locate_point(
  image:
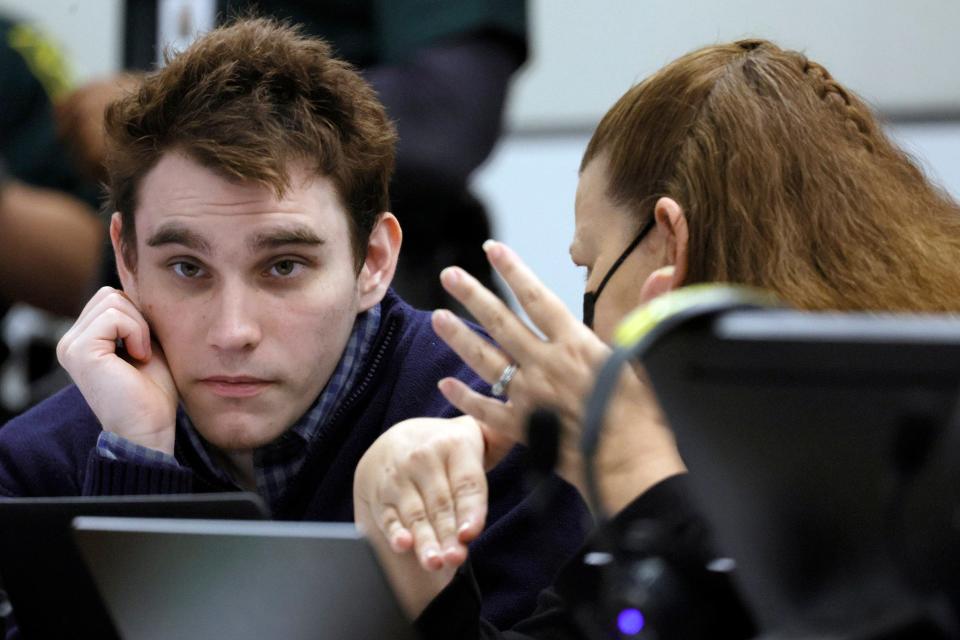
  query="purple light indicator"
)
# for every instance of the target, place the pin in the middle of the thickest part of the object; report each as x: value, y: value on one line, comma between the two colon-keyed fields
x: 630, y: 622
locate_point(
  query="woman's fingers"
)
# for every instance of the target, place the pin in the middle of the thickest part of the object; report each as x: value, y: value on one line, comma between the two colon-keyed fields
x: 501, y: 323
x: 469, y: 489
x: 426, y: 544
x: 481, y: 356
x: 397, y: 535
x: 497, y: 416
x: 430, y: 491
x: 429, y: 474
x: 407, y: 502
x: 543, y: 307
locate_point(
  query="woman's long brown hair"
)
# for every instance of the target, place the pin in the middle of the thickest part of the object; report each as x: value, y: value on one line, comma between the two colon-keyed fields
x: 787, y: 181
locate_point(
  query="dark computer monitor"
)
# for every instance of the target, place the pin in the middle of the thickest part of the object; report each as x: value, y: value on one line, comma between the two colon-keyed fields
x: 240, y: 580
x: 52, y: 594
x: 823, y: 449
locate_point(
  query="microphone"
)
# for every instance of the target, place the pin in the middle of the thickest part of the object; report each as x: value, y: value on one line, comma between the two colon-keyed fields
x: 543, y: 444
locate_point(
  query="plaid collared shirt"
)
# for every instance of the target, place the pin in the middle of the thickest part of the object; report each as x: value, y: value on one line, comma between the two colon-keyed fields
x: 278, y: 462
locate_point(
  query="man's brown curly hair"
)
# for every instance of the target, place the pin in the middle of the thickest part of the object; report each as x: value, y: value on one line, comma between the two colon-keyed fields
x: 246, y: 100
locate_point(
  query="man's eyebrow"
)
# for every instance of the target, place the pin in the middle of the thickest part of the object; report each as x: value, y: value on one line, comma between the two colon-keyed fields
x: 282, y: 237
x: 177, y: 234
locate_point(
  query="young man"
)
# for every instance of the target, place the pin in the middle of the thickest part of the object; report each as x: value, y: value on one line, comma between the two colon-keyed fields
x: 256, y: 343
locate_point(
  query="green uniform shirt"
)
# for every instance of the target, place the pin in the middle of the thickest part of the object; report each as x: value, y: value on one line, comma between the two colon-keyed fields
x: 32, y: 76
x: 371, y: 32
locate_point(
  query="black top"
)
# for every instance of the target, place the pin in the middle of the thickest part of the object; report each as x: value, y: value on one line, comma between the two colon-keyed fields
x: 664, y: 544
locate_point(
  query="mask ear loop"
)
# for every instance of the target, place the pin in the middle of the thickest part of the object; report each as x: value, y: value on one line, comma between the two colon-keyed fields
x: 590, y: 298
x: 626, y: 253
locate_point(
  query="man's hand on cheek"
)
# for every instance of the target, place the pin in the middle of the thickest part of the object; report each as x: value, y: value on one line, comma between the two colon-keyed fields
x: 133, y: 397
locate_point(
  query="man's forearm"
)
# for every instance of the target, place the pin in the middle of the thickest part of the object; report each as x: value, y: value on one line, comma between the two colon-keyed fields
x: 117, y: 477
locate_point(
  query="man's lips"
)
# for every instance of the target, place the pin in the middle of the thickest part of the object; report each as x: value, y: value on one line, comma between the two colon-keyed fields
x: 235, y: 386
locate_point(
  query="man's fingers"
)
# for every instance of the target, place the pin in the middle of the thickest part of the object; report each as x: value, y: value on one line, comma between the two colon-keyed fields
x: 103, y: 329
x: 500, y: 322
x: 96, y: 326
x: 98, y: 297
x: 114, y: 324
x: 104, y: 299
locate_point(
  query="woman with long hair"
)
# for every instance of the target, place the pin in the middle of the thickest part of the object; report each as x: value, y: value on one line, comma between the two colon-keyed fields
x: 739, y: 163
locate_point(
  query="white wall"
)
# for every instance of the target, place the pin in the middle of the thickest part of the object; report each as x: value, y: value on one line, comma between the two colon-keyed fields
x: 88, y: 31
x: 899, y: 54
x: 585, y: 53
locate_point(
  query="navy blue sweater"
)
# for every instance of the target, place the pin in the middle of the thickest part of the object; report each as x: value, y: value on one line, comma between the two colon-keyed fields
x: 50, y: 451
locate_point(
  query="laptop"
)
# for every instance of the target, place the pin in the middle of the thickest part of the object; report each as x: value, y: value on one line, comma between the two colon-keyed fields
x: 824, y: 449
x: 207, y: 579
x: 52, y: 594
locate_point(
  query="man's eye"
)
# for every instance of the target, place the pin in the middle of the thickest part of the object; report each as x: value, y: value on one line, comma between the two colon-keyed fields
x: 285, y: 268
x: 187, y: 270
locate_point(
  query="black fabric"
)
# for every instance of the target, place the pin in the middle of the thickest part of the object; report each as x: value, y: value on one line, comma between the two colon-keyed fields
x: 661, y: 527
x: 140, y: 18
x: 368, y: 33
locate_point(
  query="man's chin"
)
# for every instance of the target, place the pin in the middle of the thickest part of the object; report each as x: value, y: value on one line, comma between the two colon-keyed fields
x: 237, y: 428
x: 238, y: 435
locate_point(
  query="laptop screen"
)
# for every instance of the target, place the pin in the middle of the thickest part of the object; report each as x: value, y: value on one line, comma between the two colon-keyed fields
x: 238, y: 580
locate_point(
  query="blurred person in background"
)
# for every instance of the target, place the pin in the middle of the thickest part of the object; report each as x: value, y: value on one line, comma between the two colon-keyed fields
x: 51, y: 240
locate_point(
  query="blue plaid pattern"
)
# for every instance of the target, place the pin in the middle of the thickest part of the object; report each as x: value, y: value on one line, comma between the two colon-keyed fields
x: 276, y: 463
x: 113, y: 447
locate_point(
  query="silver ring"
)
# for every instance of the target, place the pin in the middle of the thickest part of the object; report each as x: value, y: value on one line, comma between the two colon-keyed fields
x: 500, y: 386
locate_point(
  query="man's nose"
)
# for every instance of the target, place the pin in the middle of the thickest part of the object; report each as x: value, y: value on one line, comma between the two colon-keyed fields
x: 235, y: 324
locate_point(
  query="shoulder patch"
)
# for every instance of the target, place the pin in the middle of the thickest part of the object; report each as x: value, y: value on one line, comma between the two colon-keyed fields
x: 43, y: 57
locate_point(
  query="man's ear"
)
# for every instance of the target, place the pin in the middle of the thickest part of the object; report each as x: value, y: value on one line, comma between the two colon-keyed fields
x: 383, y: 250
x: 672, y: 224
x: 127, y: 274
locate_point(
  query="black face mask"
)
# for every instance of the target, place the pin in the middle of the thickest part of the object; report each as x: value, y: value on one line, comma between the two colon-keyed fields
x: 590, y: 297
